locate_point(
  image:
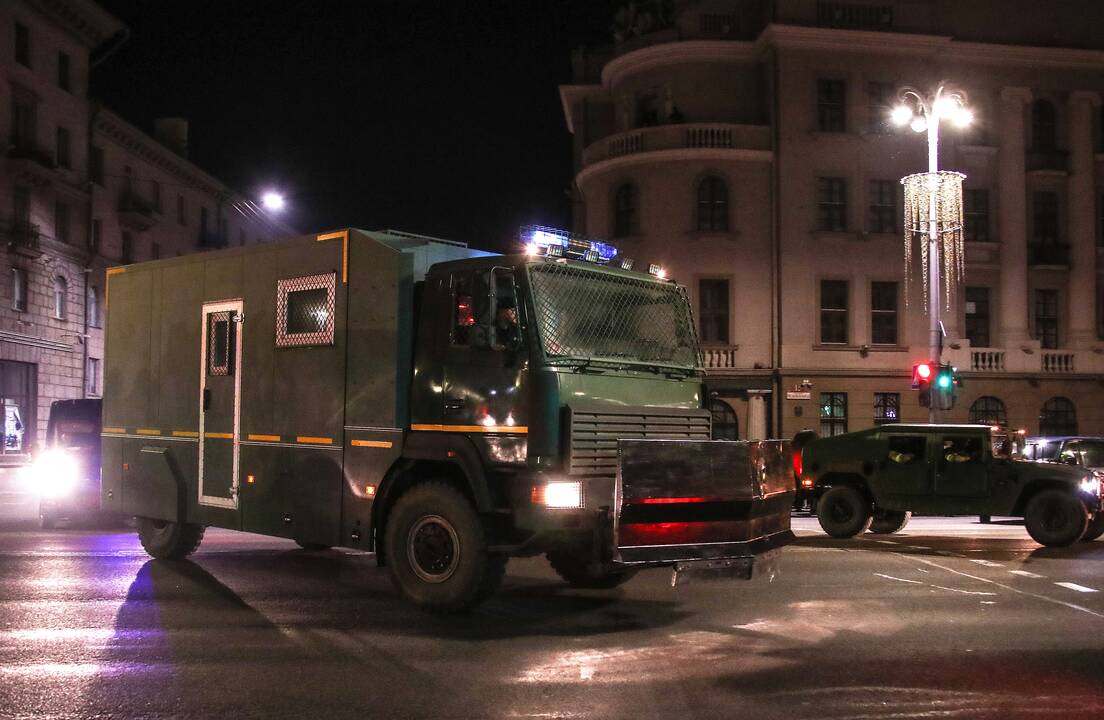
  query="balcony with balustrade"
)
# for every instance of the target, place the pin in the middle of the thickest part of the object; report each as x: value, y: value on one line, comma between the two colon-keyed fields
x: 1026, y: 360
x: 682, y: 141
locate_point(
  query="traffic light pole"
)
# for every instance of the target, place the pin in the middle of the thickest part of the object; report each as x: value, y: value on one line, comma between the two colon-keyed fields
x: 935, y: 330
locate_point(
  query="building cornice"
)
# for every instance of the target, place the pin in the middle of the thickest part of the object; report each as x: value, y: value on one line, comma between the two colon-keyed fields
x: 572, y: 94
x: 83, y: 19
x: 683, y: 51
x: 673, y: 155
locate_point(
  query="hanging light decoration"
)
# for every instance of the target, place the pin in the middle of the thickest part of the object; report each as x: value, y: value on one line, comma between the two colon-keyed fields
x: 941, y: 191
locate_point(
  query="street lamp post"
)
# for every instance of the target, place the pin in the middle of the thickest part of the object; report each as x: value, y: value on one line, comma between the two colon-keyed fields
x: 923, y: 113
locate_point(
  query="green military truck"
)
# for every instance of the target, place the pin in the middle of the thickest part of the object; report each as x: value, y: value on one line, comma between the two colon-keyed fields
x: 442, y: 407
x: 875, y: 479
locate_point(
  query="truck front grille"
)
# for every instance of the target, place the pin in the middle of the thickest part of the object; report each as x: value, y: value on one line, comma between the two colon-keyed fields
x: 593, y: 433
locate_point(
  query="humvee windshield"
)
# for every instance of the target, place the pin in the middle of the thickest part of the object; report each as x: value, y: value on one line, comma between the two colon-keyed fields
x: 589, y: 315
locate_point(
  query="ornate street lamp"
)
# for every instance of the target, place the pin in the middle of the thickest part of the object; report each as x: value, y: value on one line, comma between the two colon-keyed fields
x: 933, y: 206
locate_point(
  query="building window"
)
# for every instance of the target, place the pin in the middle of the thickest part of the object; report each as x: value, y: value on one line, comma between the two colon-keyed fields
x: 626, y: 211
x: 61, y: 291
x: 713, y: 310
x: 1046, y: 318
x: 63, y: 72
x: 833, y: 312
x: 20, y: 384
x: 883, y: 206
x: 96, y: 165
x: 725, y: 424
x: 977, y: 317
x: 1058, y: 417
x: 181, y: 216
x: 976, y: 214
x: 988, y: 410
x: 63, y: 159
x: 883, y: 313
x: 1044, y: 125
x: 831, y: 105
x: 93, y: 309
x: 93, y: 376
x: 833, y: 414
x: 155, y: 195
x: 126, y: 256
x: 23, y: 122
x: 19, y: 289
x: 305, y: 311
x: 1045, y: 211
x: 887, y: 408
x: 880, y: 99
x: 831, y: 204
x: 713, y: 205
x: 22, y: 45
x: 61, y: 222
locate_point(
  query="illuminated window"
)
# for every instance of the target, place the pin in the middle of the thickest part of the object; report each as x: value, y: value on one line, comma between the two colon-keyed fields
x: 305, y: 311
x: 887, y: 408
x: 833, y: 414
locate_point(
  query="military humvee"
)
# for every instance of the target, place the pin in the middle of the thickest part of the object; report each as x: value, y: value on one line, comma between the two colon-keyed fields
x: 875, y: 479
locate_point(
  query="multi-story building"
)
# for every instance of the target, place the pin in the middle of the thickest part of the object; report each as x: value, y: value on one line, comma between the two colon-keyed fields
x: 745, y: 145
x: 80, y: 190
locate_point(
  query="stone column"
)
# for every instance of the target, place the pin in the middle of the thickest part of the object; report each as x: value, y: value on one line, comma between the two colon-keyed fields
x: 1081, y: 203
x: 1012, y: 218
x: 757, y: 416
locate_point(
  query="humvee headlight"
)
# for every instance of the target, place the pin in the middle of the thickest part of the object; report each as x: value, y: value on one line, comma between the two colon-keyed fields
x: 1091, y: 485
x: 54, y: 474
x: 559, y: 494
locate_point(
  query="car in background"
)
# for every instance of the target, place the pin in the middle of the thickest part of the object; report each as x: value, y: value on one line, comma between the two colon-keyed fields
x: 65, y: 475
x: 1084, y: 451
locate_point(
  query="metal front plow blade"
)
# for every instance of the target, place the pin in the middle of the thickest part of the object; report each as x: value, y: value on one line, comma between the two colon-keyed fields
x: 712, y: 510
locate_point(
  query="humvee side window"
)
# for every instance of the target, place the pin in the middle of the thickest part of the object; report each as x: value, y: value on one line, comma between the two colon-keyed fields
x: 305, y: 311
x: 220, y: 344
x: 905, y: 450
x: 961, y: 449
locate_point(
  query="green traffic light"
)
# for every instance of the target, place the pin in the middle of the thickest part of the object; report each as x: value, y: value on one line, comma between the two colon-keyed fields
x: 944, y: 381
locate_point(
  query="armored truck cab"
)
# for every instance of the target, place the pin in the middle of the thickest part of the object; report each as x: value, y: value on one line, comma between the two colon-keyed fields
x: 874, y: 479
x: 444, y: 408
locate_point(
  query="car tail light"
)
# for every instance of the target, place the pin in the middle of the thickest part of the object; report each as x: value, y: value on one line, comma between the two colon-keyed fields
x: 797, y: 463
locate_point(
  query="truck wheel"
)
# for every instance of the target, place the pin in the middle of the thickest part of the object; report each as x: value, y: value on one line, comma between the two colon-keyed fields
x: 1056, y: 518
x: 437, y: 550
x: 577, y: 572
x: 887, y: 522
x: 1096, y: 527
x: 843, y: 512
x: 166, y: 540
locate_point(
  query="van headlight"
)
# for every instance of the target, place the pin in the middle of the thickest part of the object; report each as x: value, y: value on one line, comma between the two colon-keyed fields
x: 54, y: 474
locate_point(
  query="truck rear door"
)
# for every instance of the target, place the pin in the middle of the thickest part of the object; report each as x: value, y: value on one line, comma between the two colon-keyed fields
x: 220, y: 404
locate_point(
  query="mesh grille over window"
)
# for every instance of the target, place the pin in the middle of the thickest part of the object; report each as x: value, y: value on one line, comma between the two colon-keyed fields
x: 305, y: 311
x: 586, y: 314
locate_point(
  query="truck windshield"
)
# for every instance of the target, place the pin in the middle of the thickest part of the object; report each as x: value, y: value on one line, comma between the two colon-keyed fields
x: 594, y: 315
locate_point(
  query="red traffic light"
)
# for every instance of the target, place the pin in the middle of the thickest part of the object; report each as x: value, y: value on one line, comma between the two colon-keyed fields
x: 923, y: 371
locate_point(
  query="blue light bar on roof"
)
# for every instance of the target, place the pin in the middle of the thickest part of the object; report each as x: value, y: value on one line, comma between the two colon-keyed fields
x: 540, y: 240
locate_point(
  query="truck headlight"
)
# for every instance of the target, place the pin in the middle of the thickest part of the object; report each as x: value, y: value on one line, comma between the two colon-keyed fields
x: 559, y: 494
x: 54, y: 474
x: 1091, y: 485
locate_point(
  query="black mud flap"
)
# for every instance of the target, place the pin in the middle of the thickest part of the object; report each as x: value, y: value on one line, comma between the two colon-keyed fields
x: 711, y: 509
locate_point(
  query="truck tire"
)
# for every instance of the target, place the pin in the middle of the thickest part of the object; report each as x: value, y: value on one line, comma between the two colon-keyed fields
x: 887, y: 522
x: 166, y: 540
x: 436, y: 548
x: 1095, y: 528
x: 1056, y: 518
x: 577, y: 572
x: 844, y: 512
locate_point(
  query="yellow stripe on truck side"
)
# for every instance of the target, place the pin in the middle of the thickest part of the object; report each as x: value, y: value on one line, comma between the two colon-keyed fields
x: 309, y: 440
x: 373, y: 443
x: 520, y: 429
x: 219, y: 436
x: 264, y: 438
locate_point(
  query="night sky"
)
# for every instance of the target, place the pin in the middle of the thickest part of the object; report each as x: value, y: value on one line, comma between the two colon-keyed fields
x: 441, y: 118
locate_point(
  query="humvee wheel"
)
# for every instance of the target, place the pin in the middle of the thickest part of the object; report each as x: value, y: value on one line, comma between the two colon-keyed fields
x: 843, y: 512
x: 1095, y: 528
x: 1056, y: 518
x: 575, y: 571
x: 166, y: 540
x: 437, y: 549
x: 887, y: 522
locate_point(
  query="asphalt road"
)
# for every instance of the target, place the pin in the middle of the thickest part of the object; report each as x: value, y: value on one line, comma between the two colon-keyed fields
x: 948, y: 619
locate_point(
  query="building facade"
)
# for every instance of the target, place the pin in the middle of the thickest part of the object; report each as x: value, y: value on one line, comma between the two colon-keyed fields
x: 745, y: 145
x: 81, y: 190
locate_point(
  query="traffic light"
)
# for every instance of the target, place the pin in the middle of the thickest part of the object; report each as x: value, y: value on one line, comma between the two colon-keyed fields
x: 922, y: 373
x: 947, y: 383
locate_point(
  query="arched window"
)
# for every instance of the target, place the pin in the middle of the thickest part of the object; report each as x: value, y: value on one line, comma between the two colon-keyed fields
x: 1058, y: 417
x: 61, y: 290
x: 988, y: 410
x: 725, y: 424
x: 626, y: 211
x: 93, y: 303
x: 1044, y: 125
x: 713, y: 205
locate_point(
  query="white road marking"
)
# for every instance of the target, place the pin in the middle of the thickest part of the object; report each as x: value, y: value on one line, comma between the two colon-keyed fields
x: 1075, y: 586
x: 918, y: 547
x: 886, y: 542
x: 937, y: 587
x: 987, y: 563
x: 1037, y: 596
x: 1025, y: 573
x: 890, y: 577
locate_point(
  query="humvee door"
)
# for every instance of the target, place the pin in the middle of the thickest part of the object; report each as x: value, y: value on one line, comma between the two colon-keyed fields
x: 961, y: 468
x: 904, y: 469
